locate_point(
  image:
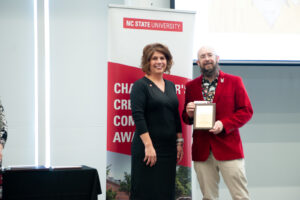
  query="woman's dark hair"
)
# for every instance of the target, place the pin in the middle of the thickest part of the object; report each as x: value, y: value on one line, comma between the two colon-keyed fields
x: 148, y: 52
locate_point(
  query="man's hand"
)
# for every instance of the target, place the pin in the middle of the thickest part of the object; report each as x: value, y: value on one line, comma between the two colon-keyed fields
x: 218, y: 128
x: 190, y: 108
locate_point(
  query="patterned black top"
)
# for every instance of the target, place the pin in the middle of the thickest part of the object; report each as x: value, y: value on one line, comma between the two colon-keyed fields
x: 209, y: 89
x: 3, y: 126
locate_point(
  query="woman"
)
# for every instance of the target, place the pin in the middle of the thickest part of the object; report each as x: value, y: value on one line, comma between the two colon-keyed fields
x: 157, y: 143
x: 3, y: 130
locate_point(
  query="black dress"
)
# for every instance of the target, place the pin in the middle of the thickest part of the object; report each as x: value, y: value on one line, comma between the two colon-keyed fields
x: 155, y: 112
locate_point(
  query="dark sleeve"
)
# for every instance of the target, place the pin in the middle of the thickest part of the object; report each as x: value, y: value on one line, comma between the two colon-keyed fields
x: 186, y: 119
x: 138, y: 98
x: 178, y: 122
x: 177, y: 115
x: 3, y: 126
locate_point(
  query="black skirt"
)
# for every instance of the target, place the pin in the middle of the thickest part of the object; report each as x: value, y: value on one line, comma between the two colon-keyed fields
x: 153, y: 183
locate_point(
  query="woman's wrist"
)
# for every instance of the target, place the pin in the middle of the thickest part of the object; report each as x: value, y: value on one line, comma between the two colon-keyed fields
x: 180, y: 141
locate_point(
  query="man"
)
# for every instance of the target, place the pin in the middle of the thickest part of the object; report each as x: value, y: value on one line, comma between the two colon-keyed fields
x: 3, y: 130
x: 220, y: 148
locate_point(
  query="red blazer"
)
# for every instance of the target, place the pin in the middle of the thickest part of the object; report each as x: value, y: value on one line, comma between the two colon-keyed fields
x: 233, y: 109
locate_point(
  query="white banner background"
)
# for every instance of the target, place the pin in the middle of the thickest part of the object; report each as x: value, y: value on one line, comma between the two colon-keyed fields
x: 125, y: 45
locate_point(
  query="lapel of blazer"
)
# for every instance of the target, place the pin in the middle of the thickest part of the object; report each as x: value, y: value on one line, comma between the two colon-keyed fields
x: 220, y: 86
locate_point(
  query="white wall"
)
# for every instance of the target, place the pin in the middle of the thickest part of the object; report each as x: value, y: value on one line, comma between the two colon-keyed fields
x: 248, y: 29
x: 17, y: 79
x: 78, y: 57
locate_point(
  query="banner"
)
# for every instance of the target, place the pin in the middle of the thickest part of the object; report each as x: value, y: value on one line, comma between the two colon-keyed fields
x: 130, y: 29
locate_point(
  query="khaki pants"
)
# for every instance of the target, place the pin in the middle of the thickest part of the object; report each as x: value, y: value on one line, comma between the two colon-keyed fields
x: 233, y: 173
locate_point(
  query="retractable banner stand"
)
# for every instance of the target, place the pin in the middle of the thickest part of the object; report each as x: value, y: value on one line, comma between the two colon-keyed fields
x: 130, y: 30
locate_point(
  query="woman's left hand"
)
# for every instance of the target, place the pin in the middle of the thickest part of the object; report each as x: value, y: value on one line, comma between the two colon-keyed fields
x: 179, y: 152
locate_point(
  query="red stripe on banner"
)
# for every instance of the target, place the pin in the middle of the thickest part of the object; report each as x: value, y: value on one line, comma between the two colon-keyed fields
x: 148, y: 24
x: 120, y: 125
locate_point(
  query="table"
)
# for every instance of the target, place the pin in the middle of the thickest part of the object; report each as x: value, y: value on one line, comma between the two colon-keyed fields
x: 41, y: 183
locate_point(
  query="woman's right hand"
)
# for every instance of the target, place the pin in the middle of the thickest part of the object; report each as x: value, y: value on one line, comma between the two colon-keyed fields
x: 150, y: 155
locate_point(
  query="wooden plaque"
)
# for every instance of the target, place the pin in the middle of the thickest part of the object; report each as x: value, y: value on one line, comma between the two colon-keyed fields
x: 204, y: 116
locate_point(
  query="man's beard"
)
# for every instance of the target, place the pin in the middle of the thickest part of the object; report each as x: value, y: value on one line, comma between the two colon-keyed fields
x: 210, y: 72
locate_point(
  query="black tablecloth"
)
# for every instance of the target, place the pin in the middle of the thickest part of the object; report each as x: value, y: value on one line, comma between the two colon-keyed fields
x: 77, y: 183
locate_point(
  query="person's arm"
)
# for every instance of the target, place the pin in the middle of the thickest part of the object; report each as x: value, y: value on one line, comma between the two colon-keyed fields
x: 243, y: 109
x: 138, y: 100
x: 3, y: 129
x: 189, y: 107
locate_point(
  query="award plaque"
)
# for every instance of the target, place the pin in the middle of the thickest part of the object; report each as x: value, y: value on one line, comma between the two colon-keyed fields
x: 204, y: 115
